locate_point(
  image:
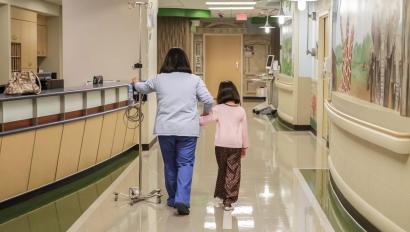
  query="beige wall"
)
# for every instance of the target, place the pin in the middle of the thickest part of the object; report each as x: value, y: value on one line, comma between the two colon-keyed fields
x: 54, y: 60
x: 4, y: 43
x: 152, y: 71
x: 100, y: 37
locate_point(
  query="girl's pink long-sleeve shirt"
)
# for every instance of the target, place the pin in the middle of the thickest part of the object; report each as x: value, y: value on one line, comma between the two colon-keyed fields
x: 232, y: 126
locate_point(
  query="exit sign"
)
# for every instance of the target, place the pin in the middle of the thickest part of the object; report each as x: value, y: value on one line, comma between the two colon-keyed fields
x: 241, y: 17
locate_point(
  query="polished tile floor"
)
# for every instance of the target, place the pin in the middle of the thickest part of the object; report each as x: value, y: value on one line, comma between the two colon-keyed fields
x: 272, y: 197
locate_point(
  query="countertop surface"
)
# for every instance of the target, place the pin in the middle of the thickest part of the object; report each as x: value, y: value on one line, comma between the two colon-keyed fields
x: 63, y: 91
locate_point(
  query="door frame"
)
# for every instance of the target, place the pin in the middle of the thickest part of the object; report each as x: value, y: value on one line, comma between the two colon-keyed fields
x: 240, y: 88
x: 319, y: 73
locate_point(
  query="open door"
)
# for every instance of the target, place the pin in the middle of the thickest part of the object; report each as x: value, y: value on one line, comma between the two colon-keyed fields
x: 324, y: 61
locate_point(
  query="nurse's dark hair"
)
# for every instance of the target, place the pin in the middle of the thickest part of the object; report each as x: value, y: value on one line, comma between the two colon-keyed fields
x: 228, y: 92
x: 176, y: 60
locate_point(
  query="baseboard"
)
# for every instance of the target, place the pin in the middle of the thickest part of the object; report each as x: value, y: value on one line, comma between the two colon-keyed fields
x: 296, y: 127
x: 147, y: 147
x: 356, y: 215
x: 313, y: 131
x: 254, y: 98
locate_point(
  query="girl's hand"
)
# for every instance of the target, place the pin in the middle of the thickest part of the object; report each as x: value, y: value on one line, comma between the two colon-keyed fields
x: 244, y: 152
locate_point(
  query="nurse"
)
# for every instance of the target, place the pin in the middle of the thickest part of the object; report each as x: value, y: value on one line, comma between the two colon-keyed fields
x: 177, y: 123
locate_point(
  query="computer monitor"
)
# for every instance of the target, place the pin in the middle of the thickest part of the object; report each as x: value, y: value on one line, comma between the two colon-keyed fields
x: 269, y: 61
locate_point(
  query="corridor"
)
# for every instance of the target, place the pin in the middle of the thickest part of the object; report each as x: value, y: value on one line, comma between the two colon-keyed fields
x: 272, y: 197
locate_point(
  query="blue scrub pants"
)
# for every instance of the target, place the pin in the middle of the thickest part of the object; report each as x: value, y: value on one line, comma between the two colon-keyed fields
x: 179, y: 156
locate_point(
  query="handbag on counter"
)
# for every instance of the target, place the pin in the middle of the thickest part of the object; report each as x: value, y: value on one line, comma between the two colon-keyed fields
x: 23, y: 83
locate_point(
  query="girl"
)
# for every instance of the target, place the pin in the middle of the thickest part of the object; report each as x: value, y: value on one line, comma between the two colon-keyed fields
x: 231, y: 142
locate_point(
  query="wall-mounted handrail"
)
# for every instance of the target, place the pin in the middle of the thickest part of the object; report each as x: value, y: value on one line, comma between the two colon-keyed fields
x: 367, y: 124
x: 397, y: 142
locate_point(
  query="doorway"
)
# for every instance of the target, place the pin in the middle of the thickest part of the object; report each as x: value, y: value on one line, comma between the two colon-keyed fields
x: 223, y: 61
x: 323, y: 72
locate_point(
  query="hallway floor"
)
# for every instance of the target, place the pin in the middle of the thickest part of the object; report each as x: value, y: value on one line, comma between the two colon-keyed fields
x: 273, y: 196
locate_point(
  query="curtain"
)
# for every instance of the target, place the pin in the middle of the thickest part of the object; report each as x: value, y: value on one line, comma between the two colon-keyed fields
x: 173, y: 32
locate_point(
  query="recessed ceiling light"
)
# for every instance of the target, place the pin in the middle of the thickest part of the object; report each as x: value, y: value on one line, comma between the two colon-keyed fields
x: 232, y: 8
x: 231, y: 3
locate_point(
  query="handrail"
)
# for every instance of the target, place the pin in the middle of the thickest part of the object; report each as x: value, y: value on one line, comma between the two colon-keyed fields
x: 393, y: 133
x: 397, y: 142
x: 284, y: 86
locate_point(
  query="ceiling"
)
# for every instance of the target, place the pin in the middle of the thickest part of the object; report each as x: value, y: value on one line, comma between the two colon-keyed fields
x: 260, y: 8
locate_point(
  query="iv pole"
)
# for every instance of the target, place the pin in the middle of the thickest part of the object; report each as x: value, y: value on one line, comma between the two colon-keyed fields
x: 135, y: 193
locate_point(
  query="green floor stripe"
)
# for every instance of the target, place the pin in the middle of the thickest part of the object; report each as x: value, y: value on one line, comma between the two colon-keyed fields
x: 113, y: 168
x: 319, y: 183
x: 278, y: 125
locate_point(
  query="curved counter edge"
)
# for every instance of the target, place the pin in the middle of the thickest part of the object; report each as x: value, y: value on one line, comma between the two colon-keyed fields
x: 373, y: 215
x: 396, y: 142
x: 64, y: 91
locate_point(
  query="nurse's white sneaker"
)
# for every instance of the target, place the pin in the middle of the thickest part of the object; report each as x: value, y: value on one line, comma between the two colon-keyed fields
x: 229, y: 208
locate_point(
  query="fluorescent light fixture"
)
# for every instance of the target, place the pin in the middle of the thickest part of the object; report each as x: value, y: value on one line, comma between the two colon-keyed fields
x: 231, y: 8
x: 231, y: 3
x: 267, y: 27
x: 281, y: 16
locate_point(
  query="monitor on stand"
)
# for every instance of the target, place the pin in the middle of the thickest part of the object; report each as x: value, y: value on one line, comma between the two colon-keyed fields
x: 266, y: 107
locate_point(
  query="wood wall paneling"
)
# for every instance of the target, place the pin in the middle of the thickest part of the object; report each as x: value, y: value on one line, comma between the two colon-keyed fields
x: 29, y: 46
x: 16, y: 27
x: 45, y: 156
x: 91, y: 139
x: 15, y: 159
x: 70, y: 149
x: 107, y: 137
x: 21, y: 14
x: 119, y: 137
x: 173, y: 32
x: 130, y: 134
x: 137, y: 136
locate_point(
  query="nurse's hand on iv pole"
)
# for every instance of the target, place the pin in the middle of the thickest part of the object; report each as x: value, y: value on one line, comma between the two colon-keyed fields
x: 135, y: 80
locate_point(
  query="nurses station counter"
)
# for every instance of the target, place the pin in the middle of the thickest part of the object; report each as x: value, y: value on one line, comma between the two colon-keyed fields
x: 48, y: 137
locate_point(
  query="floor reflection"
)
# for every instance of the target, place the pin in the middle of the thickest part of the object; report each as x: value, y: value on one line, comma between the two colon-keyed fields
x: 65, y: 204
x: 319, y: 183
x: 270, y: 197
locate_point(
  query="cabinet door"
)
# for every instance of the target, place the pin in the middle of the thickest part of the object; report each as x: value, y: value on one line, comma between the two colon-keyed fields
x: 16, y: 27
x: 41, y: 41
x: 29, y: 46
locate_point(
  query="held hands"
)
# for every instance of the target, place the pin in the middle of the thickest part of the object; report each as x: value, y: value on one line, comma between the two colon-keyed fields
x: 244, y: 152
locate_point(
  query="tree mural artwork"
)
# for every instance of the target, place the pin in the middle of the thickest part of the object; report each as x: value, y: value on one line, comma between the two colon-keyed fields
x: 368, y: 51
x: 347, y: 44
x: 385, y: 65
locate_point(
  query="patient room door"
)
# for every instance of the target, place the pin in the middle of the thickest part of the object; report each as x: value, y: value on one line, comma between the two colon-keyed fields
x: 324, y: 43
x: 223, y: 61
